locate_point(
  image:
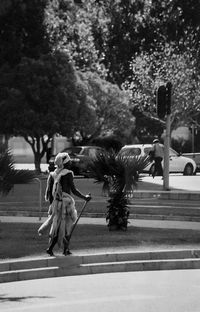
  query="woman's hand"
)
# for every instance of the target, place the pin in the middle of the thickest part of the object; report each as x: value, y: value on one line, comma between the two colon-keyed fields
x: 88, y: 197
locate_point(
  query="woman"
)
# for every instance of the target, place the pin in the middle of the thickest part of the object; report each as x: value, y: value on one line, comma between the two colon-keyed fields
x: 62, y: 212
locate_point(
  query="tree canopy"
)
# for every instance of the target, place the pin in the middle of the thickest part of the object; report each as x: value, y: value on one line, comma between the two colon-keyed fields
x: 105, y: 35
x: 111, y: 45
x: 22, y: 30
x: 108, y: 36
x: 111, y: 107
x: 40, y: 98
x: 181, y: 69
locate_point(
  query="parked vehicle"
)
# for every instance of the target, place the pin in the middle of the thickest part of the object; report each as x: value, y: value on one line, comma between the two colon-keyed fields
x: 80, y: 156
x: 195, y: 157
x: 177, y: 162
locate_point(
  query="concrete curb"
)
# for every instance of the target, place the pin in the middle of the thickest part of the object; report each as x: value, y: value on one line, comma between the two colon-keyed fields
x: 18, y: 270
x: 148, y: 205
x: 172, y: 195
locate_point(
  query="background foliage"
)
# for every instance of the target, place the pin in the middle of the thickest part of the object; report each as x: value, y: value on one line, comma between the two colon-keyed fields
x: 106, y: 47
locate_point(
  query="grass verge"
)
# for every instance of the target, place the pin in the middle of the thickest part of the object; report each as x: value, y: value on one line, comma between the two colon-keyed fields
x: 21, y: 239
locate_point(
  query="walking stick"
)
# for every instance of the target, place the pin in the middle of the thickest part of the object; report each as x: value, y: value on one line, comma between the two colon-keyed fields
x: 74, y: 225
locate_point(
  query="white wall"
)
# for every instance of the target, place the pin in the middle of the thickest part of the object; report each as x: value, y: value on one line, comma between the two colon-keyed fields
x: 22, y: 152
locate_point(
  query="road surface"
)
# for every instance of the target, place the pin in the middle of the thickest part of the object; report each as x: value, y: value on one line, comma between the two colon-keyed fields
x: 156, y: 291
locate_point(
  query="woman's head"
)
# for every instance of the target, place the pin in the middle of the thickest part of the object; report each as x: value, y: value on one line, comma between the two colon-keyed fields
x: 62, y: 160
x: 155, y: 141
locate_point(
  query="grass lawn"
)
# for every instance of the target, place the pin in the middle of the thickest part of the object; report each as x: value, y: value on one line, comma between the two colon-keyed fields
x: 21, y: 239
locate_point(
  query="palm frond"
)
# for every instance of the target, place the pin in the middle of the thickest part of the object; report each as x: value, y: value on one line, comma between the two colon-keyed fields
x: 133, y: 166
x: 101, y: 169
x: 9, y: 176
x: 118, y: 174
x: 120, y: 171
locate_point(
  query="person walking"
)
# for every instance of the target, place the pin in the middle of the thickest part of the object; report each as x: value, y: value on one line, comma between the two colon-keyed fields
x: 62, y: 212
x: 158, y: 152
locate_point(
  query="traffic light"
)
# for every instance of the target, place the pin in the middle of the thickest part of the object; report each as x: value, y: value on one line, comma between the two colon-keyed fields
x: 168, y: 97
x: 161, y: 102
x: 164, y: 95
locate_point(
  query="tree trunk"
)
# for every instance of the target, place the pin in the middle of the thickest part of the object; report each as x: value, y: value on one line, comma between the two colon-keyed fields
x: 39, y: 148
x: 37, y: 161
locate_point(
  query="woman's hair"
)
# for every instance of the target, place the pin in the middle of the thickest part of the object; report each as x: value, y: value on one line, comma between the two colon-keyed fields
x: 61, y: 159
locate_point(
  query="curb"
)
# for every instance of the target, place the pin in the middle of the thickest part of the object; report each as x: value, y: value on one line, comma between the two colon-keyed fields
x: 143, y: 205
x: 18, y: 270
x: 171, y: 195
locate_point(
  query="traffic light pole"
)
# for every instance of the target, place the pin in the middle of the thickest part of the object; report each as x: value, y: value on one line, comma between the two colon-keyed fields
x: 166, y: 154
x: 164, y: 99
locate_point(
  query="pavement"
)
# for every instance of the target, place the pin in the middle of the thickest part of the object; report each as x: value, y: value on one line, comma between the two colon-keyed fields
x: 152, y: 291
x: 177, y: 183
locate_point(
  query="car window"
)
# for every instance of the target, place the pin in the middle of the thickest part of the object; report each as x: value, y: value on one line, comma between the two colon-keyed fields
x: 85, y: 152
x: 73, y: 150
x: 92, y: 152
x: 131, y: 151
x: 147, y: 150
x: 172, y: 152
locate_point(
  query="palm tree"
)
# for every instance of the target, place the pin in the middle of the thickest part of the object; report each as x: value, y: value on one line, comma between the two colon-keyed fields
x: 119, y: 175
x: 8, y: 175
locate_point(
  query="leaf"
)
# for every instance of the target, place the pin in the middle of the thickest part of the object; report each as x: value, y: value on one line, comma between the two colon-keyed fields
x: 9, y: 176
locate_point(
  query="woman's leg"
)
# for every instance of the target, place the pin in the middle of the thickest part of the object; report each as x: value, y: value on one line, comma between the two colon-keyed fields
x: 156, y: 167
x: 68, y: 228
x: 51, y: 246
x: 66, y: 250
x: 160, y: 169
x: 70, y: 218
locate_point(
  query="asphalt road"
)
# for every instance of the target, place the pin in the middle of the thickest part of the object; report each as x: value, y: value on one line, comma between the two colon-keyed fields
x: 154, y: 291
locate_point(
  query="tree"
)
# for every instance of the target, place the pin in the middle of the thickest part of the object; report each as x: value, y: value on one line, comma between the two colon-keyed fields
x: 23, y: 31
x: 149, y: 70
x: 147, y: 127
x: 110, y: 107
x: 174, y: 22
x: 119, y: 176
x: 103, y: 36
x: 40, y: 98
x: 143, y: 25
x: 71, y: 26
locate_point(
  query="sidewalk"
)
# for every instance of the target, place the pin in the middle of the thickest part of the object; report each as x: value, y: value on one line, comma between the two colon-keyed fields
x: 180, y: 188
x: 177, y: 183
x: 159, y: 224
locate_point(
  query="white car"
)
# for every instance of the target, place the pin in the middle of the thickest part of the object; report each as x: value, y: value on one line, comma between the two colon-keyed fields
x: 177, y: 163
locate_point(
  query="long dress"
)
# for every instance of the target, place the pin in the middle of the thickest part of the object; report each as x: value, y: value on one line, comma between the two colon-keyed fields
x: 62, y: 213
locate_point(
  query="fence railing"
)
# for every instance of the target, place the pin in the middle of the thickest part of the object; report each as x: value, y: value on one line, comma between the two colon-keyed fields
x: 39, y: 197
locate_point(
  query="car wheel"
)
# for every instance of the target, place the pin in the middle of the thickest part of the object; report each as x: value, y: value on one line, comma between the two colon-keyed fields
x: 188, y: 170
x: 151, y: 170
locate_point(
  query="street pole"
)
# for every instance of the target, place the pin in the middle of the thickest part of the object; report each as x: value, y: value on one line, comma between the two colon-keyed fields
x: 164, y: 100
x: 53, y: 145
x: 193, y: 139
x: 166, y: 154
